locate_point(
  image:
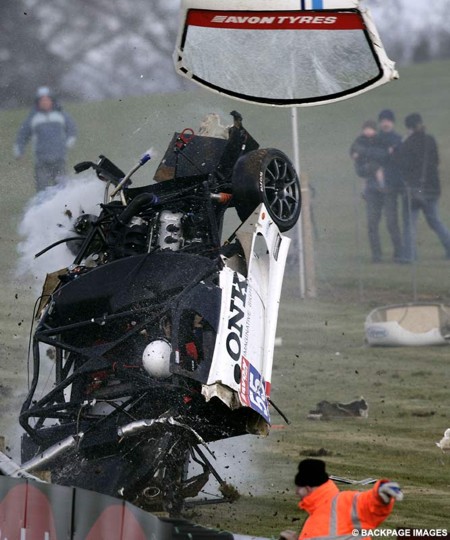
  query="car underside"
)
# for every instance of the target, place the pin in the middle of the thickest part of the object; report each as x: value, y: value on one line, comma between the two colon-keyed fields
x: 155, y: 330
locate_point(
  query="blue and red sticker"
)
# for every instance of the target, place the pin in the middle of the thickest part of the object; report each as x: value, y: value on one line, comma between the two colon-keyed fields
x: 252, y: 390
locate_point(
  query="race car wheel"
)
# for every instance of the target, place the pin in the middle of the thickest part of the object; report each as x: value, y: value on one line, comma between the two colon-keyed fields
x: 267, y: 176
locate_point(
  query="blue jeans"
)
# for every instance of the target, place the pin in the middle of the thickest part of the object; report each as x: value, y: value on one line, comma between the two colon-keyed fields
x: 374, y: 206
x: 429, y: 207
x: 391, y: 212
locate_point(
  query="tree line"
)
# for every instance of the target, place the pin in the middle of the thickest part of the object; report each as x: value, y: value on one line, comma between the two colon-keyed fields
x: 99, y: 49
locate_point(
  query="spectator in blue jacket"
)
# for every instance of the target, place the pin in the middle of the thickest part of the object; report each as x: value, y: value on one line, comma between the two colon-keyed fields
x: 52, y: 131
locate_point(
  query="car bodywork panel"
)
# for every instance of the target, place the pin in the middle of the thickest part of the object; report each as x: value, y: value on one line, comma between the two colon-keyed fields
x: 315, y: 51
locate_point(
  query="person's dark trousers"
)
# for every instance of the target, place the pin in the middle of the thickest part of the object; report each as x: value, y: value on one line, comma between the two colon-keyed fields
x: 391, y: 198
x: 429, y: 207
x: 374, y: 205
x: 49, y: 173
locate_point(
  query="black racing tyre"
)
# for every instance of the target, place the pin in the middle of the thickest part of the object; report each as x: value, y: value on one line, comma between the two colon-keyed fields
x: 267, y: 176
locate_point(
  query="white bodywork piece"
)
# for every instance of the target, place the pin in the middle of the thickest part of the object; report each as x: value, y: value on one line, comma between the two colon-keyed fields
x: 285, y: 53
x: 408, y: 325
x: 241, y: 369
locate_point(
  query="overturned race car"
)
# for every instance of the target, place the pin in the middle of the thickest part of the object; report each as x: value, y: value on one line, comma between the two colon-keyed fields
x: 162, y: 334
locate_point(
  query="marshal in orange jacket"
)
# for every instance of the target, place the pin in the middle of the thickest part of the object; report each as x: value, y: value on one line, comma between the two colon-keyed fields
x: 336, y: 514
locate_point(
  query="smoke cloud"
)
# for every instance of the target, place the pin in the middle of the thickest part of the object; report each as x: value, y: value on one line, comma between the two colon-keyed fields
x: 49, y: 217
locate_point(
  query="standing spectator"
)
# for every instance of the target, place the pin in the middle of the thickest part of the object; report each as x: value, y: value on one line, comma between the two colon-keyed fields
x: 389, y: 139
x: 52, y: 132
x: 334, y: 514
x: 418, y: 159
x: 368, y: 154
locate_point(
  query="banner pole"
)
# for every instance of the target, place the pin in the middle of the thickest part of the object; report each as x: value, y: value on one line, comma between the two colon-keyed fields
x: 296, y: 154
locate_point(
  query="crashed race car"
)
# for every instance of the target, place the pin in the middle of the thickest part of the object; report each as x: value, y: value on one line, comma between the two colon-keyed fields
x: 162, y: 335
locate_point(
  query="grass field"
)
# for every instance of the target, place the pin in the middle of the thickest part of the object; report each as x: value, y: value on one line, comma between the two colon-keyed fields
x: 323, y: 354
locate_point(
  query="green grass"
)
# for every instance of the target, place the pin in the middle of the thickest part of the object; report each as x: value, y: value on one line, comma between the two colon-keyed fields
x: 323, y: 354
x: 408, y: 394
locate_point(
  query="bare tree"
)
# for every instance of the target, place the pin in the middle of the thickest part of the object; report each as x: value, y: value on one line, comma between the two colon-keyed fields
x: 25, y: 60
x: 412, y: 30
x: 96, y: 49
x: 112, y: 48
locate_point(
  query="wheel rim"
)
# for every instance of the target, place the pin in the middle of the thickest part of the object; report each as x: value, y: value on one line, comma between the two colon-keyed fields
x: 282, y: 190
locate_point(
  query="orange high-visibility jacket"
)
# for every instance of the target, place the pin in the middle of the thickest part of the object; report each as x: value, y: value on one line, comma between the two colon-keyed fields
x: 334, y: 514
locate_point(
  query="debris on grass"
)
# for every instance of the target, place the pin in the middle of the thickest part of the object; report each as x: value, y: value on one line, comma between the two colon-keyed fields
x: 321, y: 452
x: 327, y: 410
x: 423, y: 414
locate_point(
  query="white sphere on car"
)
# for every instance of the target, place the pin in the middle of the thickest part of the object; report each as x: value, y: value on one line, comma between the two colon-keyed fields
x: 156, y: 358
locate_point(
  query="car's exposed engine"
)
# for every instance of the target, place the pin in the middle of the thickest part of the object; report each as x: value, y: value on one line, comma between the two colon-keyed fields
x: 162, y: 334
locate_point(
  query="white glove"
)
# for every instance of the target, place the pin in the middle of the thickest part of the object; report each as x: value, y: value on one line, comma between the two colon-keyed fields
x: 70, y: 142
x: 390, y: 490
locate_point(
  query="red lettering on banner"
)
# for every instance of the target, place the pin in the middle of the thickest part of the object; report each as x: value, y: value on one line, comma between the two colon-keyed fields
x: 276, y: 20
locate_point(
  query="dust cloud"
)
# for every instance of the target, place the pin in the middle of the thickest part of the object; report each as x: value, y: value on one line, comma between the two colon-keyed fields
x: 238, y: 461
x: 49, y: 217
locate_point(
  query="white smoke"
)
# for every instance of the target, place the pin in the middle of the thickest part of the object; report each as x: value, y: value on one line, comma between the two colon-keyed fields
x: 49, y: 217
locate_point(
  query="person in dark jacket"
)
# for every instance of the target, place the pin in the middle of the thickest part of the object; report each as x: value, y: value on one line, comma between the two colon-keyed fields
x: 368, y: 155
x: 51, y: 131
x: 389, y: 139
x: 418, y: 159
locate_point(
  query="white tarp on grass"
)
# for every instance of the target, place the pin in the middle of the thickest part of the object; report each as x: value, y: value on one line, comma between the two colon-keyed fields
x: 410, y: 325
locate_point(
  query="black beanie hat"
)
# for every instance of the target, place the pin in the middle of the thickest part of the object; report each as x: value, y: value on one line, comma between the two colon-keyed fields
x: 386, y: 114
x: 413, y: 120
x: 311, y: 472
